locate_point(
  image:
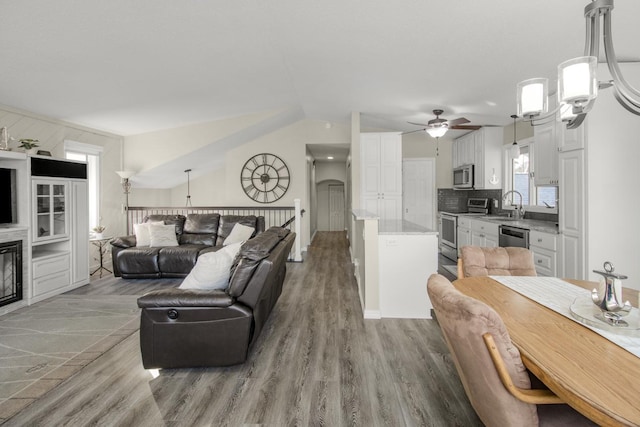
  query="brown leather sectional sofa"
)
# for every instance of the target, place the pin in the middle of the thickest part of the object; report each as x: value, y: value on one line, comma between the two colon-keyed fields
x: 196, y: 234
x: 182, y: 328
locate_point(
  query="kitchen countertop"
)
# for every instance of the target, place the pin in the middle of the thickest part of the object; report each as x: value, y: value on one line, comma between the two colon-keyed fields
x: 528, y: 224
x: 402, y: 227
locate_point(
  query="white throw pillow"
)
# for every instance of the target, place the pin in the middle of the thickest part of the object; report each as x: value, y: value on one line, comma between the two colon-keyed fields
x: 163, y: 235
x: 212, y: 270
x: 143, y: 238
x: 239, y: 233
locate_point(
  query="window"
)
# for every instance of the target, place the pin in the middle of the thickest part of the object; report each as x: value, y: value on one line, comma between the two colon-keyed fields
x: 91, y: 155
x: 520, y: 179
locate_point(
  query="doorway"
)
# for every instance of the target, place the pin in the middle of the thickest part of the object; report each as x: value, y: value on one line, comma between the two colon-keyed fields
x: 336, y: 207
x: 419, y: 191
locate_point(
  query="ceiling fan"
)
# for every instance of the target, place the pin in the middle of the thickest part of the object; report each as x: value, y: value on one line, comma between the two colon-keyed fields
x: 438, y: 127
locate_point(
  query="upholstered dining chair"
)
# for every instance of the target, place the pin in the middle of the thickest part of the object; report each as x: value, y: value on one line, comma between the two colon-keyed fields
x: 481, y: 261
x: 494, y: 378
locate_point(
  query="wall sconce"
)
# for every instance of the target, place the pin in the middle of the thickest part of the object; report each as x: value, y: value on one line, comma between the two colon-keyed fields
x: 126, y: 187
x: 577, y: 82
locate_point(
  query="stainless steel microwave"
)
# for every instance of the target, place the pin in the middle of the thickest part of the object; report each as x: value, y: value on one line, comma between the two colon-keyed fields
x: 463, y: 177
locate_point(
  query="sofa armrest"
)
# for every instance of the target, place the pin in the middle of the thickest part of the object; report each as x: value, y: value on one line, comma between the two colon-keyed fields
x: 175, y: 297
x: 124, y: 242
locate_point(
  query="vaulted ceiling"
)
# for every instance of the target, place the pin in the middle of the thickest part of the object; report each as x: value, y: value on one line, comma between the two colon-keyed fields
x: 130, y: 67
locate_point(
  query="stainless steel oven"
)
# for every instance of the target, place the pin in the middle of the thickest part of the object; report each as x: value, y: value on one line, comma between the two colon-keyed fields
x: 448, y: 228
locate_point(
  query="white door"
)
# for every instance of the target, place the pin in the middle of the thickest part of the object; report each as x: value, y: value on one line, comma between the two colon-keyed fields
x: 419, y: 191
x: 336, y: 207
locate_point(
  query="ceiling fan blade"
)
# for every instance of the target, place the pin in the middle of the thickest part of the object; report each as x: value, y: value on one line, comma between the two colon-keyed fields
x: 418, y: 124
x: 457, y: 122
x: 465, y: 127
x: 412, y: 131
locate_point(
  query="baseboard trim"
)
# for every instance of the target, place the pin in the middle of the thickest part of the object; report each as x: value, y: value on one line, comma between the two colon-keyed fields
x: 372, y: 314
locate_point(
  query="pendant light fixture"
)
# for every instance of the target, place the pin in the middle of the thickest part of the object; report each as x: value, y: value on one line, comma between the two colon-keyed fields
x: 515, y: 148
x: 577, y: 82
x: 187, y: 171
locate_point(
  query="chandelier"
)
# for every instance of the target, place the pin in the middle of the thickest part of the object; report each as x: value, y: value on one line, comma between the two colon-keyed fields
x: 577, y: 82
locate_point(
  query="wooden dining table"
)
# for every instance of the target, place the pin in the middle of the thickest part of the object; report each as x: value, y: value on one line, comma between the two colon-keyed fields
x: 595, y: 376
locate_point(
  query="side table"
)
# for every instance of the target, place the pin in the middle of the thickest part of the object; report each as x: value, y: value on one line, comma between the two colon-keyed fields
x: 101, y: 244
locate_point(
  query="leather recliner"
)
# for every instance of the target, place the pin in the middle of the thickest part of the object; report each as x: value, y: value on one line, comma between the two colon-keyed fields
x: 182, y: 328
x: 196, y: 234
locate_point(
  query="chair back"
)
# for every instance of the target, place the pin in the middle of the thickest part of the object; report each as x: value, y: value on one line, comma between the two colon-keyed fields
x: 481, y: 261
x: 463, y: 321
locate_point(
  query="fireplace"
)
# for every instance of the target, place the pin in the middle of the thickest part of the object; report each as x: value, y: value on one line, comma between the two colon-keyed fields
x: 10, y: 272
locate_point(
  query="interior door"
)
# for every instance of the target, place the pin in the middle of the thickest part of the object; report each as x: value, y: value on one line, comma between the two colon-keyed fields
x: 336, y: 208
x: 419, y: 191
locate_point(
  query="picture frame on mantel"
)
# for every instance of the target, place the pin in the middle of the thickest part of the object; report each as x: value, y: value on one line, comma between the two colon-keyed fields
x: 43, y: 153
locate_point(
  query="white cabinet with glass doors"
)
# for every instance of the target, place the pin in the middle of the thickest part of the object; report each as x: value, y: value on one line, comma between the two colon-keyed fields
x: 51, y: 218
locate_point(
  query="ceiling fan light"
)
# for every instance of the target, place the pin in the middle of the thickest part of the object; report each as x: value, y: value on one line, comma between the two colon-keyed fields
x: 577, y: 82
x: 437, y: 132
x: 532, y: 97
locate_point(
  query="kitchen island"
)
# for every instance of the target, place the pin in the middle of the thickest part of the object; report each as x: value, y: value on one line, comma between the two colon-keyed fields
x: 393, y: 260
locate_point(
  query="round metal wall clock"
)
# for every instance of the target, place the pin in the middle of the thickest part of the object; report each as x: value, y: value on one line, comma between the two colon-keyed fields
x: 265, y: 178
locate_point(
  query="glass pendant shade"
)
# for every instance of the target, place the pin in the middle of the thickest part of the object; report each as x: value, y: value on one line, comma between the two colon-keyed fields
x: 514, y: 151
x: 532, y: 97
x: 577, y: 83
x: 437, y: 132
x: 125, y: 174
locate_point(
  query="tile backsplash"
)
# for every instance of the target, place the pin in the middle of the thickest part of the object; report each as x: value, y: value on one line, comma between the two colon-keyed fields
x: 450, y: 200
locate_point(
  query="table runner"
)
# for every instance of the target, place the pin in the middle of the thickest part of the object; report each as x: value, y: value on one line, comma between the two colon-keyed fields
x: 558, y: 295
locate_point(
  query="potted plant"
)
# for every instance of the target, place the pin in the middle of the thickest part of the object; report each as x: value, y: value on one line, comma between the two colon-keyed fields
x: 98, y: 230
x: 29, y: 145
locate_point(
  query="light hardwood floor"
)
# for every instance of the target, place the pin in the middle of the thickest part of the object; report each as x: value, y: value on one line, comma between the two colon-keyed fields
x: 317, y: 362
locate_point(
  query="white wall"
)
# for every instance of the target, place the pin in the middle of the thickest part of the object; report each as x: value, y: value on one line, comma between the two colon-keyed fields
x: 331, y: 170
x: 222, y: 187
x: 52, y: 133
x: 613, y: 151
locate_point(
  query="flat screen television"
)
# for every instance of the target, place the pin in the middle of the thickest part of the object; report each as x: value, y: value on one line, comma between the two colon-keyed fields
x: 8, y: 199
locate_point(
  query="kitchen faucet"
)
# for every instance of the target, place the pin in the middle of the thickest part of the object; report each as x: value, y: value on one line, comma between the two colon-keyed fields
x: 519, y: 211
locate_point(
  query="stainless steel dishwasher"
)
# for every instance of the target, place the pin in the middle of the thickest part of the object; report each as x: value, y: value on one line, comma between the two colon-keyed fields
x: 513, y: 236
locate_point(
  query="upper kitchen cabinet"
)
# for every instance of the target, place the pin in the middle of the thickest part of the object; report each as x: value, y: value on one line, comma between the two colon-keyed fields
x: 488, y: 159
x: 464, y: 150
x: 545, y: 148
x: 381, y: 179
x: 570, y: 139
x: 481, y: 148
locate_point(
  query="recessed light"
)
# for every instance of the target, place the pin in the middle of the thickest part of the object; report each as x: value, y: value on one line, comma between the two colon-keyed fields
x: 329, y: 157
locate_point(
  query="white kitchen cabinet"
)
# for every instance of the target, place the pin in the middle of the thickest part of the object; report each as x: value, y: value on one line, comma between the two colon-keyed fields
x: 570, y: 139
x: 484, y: 233
x: 572, y: 210
x: 483, y: 149
x: 464, y: 232
x: 546, y: 153
x: 545, y: 253
x: 464, y: 150
x: 488, y: 161
x: 381, y: 176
